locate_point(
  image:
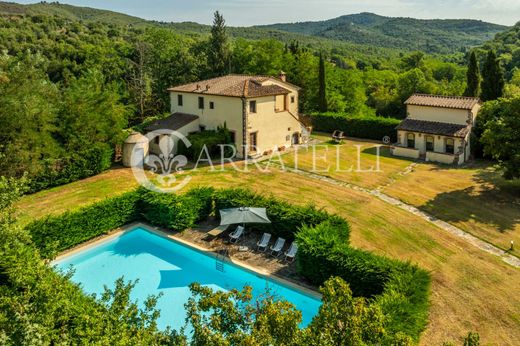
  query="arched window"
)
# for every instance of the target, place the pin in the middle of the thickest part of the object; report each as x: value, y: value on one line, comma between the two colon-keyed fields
x: 429, y: 143
x: 410, y: 140
x: 450, y: 146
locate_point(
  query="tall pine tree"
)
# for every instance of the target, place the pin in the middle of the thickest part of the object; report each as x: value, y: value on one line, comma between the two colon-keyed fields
x: 218, y: 52
x: 322, y: 94
x: 473, y: 77
x: 492, y: 78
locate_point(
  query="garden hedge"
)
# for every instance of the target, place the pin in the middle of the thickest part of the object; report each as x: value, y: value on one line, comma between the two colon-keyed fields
x: 212, y: 139
x: 360, y: 126
x: 400, y: 289
x: 57, y: 233
x: 81, y: 165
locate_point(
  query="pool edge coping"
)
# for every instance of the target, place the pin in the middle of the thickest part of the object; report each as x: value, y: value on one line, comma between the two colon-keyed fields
x: 172, y: 237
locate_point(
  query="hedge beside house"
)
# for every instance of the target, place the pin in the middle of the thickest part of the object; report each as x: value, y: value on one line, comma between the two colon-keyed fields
x: 360, y: 126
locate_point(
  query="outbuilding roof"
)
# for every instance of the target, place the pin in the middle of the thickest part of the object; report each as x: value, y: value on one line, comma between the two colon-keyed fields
x: 234, y: 85
x: 434, y: 128
x: 455, y: 102
x: 174, y: 121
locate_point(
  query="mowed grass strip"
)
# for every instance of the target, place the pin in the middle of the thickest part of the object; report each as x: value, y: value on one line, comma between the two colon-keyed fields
x: 474, y: 198
x: 471, y: 290
x: 353, y: 161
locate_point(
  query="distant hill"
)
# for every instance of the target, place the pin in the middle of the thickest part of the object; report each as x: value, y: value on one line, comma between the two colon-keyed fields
x: 433, y: 36
x: 364, y: 29
x: 70, y: 12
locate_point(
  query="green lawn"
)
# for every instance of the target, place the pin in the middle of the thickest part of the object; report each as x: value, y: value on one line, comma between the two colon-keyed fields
x: 471, y: 290
x: 473, y: 197
x: 352, y: 161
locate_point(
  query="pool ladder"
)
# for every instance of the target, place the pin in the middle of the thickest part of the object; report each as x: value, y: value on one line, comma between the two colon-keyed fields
x: 219, y: 260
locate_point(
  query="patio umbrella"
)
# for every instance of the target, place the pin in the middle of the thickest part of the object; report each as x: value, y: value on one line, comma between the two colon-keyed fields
x: 243, y: 215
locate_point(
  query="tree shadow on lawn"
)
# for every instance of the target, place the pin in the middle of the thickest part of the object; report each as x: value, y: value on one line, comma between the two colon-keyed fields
x: 492, y: 200
x: 384, y: 151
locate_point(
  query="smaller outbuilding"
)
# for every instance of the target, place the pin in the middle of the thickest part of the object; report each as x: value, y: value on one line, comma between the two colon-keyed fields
x: 135, y: 150
x: 437, y: 128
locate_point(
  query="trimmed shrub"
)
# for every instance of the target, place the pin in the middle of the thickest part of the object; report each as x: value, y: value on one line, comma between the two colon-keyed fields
x: 401, y: 289
x: 359, y: 126
x: 176, y: 212
x: 285, y: 218
x: 53, y: 234
x: 203, y: 198
x: 209, y: 138
x: 78, y: 166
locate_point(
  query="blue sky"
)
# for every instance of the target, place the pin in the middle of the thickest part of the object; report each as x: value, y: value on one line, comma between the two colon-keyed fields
x: 245, y: 13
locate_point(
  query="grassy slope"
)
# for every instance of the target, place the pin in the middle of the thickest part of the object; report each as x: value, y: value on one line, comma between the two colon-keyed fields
x: 471, y: 290
x: 474, y: 197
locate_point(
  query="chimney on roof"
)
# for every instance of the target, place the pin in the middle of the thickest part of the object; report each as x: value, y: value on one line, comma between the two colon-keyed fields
x: 198, y: 87
x: 282, y: 76
x: 207, y: 87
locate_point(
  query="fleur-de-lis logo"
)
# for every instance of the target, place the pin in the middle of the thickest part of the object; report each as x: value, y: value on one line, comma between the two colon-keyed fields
x: 159, y: 158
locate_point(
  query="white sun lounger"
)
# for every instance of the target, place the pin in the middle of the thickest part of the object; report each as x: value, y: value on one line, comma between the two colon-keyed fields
x: 277, y: 247
x: 291, y: 253
x: 236, y: 234
x: 262, y: 244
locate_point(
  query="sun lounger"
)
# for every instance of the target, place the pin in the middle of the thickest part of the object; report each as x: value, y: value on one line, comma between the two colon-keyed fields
x: 236, y: 234
x: 277, y: 247
x: 215, y: 232
x: 262, y: 244
x: 291, y: 253
x: 338, y: 136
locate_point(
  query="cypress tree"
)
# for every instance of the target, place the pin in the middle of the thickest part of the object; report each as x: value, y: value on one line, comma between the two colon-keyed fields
x: 218, y: 54
x: 492, y: 78
x: 473, y: 77
x: 322, y: 96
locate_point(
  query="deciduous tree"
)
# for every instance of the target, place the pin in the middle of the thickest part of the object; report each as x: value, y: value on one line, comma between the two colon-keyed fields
x: 501, y: 137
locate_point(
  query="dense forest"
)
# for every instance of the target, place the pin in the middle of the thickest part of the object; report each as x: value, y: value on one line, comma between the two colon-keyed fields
x: 432, y: 36
x: 70, y: 87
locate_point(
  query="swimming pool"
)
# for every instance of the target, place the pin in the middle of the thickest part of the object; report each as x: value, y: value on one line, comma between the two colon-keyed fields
x: 169, y: 267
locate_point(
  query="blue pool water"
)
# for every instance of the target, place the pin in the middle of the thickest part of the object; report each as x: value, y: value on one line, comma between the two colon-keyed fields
x: 165, y: 266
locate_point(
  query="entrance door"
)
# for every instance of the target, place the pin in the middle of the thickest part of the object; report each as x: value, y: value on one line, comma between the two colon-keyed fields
x: 295, y: 138
x: 253, y: 141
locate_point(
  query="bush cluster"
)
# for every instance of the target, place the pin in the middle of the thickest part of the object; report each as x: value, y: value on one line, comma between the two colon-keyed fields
x: 209, y: 138
x: 285, y: 218
x: 176, y: 212
x: 53, y: 234
x: 359, y: 126
x: 74, y: 167
x: 400, y: 289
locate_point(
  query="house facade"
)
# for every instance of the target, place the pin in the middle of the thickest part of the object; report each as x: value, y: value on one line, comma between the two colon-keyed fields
x: 437, y: 128
x: 261, y: 112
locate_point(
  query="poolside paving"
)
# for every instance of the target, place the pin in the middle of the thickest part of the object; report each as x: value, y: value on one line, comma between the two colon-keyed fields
x: 244, y: 251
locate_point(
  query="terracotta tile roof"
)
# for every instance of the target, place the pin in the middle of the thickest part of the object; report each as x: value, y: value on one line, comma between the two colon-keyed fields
x: 233, y: 85
x: 434, y: 128
x: 457, y: 102
x: 174, y: 121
